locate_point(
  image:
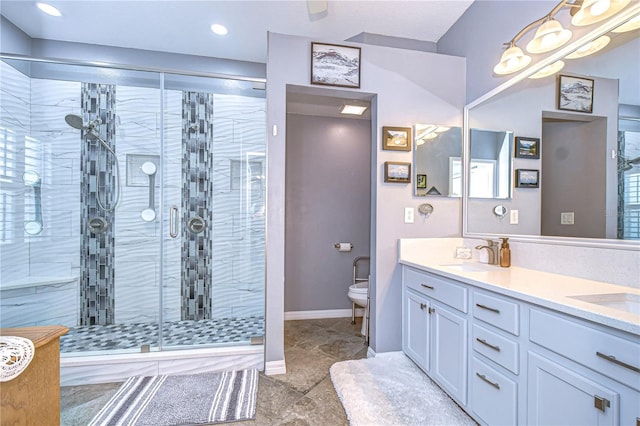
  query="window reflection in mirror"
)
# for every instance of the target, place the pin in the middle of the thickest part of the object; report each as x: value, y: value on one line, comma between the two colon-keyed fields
x: 436, y: 158
x: 490, y: 163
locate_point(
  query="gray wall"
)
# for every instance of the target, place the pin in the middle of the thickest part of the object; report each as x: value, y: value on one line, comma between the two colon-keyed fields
x: 13, y: 39
x: 479, y: 34
x: 409, y: 87
x: 573, y: 167
x: 328, y: 200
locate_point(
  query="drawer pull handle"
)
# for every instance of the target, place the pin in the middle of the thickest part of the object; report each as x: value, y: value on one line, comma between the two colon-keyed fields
x: 484, y: 378
x: 422, y: 306
x: 479, y: 305
x: 427, y: 286
x: 484, y: 342
x: 613, y: 359
x: 432, y: 310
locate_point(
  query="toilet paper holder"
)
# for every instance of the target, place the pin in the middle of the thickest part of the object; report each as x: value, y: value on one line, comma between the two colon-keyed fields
x: 343, y: 246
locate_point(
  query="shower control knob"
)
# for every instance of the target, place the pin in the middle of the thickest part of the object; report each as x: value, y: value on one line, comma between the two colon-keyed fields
x: 97, y: 225
x: 196, y: 225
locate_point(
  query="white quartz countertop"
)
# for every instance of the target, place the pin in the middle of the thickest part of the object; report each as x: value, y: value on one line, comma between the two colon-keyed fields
x: 541, y: 288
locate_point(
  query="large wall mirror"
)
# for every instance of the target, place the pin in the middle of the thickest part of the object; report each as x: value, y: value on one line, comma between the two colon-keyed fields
x: 437, y: 160
x: 586, y: 165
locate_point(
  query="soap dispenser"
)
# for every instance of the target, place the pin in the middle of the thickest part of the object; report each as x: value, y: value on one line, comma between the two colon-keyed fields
x: 505, y: 253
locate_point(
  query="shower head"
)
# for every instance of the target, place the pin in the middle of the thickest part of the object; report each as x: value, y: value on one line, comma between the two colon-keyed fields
x: 77, y: 122
x: 74, y: 121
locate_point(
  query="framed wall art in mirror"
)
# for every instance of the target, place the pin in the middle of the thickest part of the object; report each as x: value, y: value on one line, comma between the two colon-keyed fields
x: 575, y: 93
x: 527, y: 178
x: 527, y: 147
x: 335, y: 65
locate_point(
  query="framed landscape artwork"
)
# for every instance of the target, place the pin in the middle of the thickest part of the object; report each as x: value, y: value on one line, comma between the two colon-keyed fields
x: 575, y: 93
x: 397, y: 172
x: 335, y: 65
x: 396, y: 138
x: 526, y: 178
x: 527, y: 147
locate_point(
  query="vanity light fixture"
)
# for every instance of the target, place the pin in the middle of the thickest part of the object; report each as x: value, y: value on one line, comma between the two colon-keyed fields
x: 590, y: 48
x: 593, y: 11
x: 513, y: 59
x: 352, y: 109
x: 548, y: 70
x: 219, y: 29
x: 549, y: 36
x: 632, y: 24
x: 48, y: 9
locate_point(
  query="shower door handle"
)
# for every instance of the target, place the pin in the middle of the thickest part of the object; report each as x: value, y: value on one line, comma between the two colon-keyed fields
x: 173, y: 222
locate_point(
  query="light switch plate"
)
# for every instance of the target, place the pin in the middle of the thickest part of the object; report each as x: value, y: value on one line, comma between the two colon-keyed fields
x: 513, y: 218
x: 567, y: 218
x: 409, y: 213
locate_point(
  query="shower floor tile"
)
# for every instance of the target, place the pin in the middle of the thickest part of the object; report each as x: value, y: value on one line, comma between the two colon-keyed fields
x: 176, y: 333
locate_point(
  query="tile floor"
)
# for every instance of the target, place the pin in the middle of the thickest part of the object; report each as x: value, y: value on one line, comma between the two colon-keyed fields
x: 303, y: 396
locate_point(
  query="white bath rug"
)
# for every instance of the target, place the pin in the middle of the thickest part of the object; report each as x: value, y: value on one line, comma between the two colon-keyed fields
x: 391, y: 390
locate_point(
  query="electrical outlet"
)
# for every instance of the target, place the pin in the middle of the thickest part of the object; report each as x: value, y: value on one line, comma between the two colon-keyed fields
x: 566, y: 218
x: 408, y: 214
x: 513, y: 218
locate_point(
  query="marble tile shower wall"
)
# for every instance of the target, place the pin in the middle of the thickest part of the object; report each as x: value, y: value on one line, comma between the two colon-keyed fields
x: 32, y: 117
x: 15, y: 122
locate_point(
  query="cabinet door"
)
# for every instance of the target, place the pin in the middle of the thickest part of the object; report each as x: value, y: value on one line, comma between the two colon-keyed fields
x: 560, y: 396
x: 415, y: 339
x: 449, y: 351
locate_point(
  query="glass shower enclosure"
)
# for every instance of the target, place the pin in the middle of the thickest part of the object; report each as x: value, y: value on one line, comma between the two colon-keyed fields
x: 132, y: 206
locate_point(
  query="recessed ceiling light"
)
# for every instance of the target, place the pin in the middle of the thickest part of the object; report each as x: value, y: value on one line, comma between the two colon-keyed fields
x: 352, y: 109
x: 219, y: 29
x: 48, y: 9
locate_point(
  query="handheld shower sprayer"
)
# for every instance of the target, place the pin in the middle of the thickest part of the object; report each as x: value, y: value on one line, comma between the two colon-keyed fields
x: 92, y: 130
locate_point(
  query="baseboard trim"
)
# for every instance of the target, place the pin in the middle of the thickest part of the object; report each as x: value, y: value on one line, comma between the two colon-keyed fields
x: 275, y: 367
x: 321, y: 314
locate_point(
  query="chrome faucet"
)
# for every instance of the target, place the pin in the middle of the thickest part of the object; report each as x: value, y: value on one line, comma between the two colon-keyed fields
x: 492, y: 251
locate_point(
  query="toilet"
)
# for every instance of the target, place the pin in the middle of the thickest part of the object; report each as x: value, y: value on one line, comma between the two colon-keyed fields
x: 358, y: 295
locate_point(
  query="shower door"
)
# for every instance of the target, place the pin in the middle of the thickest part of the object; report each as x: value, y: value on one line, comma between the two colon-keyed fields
x: 213, y: 210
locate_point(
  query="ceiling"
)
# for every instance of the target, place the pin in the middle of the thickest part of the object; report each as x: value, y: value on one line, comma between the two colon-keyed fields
x: 183, y: 26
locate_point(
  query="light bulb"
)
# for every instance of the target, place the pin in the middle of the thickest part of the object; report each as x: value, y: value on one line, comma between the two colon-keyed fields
x: 600, y: 7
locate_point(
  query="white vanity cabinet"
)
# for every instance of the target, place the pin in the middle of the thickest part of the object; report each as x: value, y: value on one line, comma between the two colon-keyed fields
x: 508, y: 361
x: 581, y: 372
x: 434, y: 331
x: 495, y: 358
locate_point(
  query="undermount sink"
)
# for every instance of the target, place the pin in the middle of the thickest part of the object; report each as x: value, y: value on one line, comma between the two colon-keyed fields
x: 466, y: 267
x: 626, y: 302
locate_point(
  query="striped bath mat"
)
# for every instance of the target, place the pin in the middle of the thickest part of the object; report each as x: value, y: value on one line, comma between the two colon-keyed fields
x: 193, y: 399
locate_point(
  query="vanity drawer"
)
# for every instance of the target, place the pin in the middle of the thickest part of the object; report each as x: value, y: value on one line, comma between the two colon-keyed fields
x: 437, y: 288
x: 499, y: 349
x: 493, y: 396
x: 579, y: 341
x: 496, y: 311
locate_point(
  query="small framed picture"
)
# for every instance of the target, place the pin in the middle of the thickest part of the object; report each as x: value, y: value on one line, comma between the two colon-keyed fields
x: 575, y: 93
x: 421, y: 181
x: 335, y: 65
x: 396, y: 138
x: 526, y: 178
x: 397, y: 172
x: 527, y: 147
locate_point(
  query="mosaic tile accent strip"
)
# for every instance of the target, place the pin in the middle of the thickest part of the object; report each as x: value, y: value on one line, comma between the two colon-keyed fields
x: 176, y: 333
x: 197, y: 188
x: 97, y: 167
x: 621, y: 212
